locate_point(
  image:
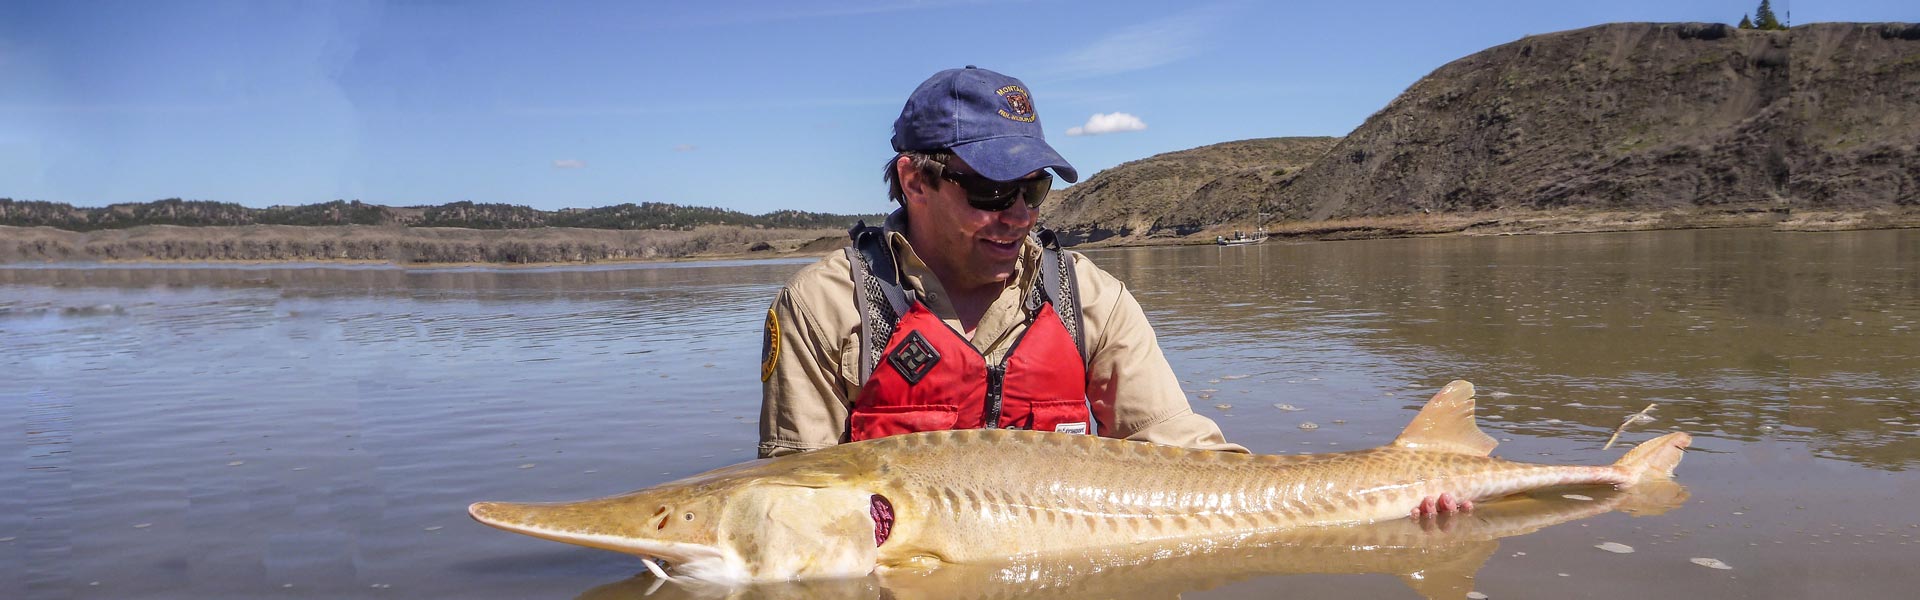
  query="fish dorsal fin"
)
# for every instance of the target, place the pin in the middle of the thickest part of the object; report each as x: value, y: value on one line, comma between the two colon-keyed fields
x: 1446, y: 425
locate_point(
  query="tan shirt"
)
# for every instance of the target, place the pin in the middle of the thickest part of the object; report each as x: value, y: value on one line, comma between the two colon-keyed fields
x: 810, y: 381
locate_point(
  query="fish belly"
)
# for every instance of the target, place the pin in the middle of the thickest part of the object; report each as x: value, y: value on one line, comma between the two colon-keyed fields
x: 1071, y: 493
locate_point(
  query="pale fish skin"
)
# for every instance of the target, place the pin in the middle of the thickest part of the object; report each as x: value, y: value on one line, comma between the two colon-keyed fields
x: 972, y: 496
x: 1437, y: 557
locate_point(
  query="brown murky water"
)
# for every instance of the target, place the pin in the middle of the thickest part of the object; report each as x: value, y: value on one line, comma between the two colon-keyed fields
x: 317, y: 432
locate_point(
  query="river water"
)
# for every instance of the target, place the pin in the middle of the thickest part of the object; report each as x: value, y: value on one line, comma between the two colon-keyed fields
x: 309, y: 431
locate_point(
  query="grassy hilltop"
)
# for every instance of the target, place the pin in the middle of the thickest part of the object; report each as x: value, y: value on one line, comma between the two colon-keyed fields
x: 1623, y: 126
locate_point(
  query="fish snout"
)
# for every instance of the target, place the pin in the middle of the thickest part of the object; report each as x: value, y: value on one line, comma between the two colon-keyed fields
x: 484, y: 512
x: 517, y: 518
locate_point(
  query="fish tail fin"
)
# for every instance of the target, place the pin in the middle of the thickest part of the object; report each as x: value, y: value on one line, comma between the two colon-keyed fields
x: 1655, y: 458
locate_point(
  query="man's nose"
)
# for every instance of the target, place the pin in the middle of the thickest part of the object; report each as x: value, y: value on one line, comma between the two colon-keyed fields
x: 1019, y: 215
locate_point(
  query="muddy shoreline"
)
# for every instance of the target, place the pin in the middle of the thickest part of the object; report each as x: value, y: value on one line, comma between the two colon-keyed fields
x: 455, y: 248
x: 1541, y: 223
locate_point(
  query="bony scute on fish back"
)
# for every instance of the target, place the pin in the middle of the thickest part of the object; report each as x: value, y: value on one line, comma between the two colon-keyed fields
x: 919, y: 500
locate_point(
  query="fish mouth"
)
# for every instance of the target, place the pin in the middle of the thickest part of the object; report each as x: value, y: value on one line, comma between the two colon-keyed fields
x: 667, y: 559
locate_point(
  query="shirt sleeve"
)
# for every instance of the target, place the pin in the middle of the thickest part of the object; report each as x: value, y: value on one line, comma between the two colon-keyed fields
x: 1134, y: 391
x: 803, y: 405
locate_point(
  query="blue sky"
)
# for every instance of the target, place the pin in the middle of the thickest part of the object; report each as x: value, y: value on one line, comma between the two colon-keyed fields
x: 754, y: 106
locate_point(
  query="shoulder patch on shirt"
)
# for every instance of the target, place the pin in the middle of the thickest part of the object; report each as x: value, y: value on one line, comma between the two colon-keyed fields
x: 769, y: 346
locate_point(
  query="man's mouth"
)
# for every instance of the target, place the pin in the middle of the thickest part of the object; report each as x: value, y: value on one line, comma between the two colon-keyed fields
x: 1007, y: 245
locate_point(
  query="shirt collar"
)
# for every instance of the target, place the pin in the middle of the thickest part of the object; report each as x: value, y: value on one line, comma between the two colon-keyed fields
x: 915, y: 275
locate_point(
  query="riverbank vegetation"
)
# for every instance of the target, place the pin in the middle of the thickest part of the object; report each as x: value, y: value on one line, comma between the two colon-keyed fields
x: 404, y: 245
x: 655, y: 216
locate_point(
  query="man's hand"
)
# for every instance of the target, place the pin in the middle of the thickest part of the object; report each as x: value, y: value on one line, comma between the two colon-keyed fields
x: 1444, y: 503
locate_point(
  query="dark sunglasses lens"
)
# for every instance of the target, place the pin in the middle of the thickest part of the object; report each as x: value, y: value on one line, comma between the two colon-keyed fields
x: 1036, y: 191
x: 994, y: 196
x: 991, y: 200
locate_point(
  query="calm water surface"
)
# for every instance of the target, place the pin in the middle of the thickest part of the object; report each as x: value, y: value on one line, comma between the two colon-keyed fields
x: 307, y: 432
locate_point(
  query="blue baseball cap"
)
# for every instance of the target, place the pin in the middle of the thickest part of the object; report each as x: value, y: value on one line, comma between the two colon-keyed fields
x: 984, y: 117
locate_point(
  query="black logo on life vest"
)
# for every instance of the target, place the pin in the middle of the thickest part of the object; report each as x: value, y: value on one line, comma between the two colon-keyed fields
x: 913, y: 358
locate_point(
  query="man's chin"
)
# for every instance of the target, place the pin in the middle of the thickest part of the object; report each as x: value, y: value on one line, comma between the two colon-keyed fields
x: 1002, y: 276
x: 996, y: 271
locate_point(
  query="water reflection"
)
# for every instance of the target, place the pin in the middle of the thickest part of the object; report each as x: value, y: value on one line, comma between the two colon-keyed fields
x: 323, y: 280
x: 1436, y: 559
x: 1740, y: 334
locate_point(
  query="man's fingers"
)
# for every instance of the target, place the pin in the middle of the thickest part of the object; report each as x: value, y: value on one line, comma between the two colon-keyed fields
x: 1445, y: 503
x: 1427, y: 507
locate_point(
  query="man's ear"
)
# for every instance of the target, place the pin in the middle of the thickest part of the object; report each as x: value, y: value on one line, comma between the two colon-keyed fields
x: 913, y: 183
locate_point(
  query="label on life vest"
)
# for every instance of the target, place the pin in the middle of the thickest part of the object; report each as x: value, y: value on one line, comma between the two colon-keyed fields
x: 1080, y: 427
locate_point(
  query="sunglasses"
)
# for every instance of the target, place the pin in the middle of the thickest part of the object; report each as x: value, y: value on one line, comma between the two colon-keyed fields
x: 995, y: 196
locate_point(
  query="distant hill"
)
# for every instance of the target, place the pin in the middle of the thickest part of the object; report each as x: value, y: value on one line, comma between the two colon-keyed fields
x: 468, y: 215
x: 1641, y: 117
x: 1178, y: 192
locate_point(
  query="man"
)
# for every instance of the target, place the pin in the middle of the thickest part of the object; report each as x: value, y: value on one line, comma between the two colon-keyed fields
x: 952, y: 315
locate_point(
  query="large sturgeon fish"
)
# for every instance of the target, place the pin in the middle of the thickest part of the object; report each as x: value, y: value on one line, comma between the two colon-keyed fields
x: 921, y: 500
x: 1438, y: 557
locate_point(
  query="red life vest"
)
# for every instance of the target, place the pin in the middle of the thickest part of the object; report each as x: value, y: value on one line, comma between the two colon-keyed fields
x: 921, y: 375
x: 933, y: 379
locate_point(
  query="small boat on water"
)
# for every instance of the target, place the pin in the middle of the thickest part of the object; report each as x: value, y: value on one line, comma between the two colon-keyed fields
x: 1240, y: 238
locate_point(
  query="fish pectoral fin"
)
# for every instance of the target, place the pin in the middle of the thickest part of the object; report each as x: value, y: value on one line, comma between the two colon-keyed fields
x: 1446, y: 424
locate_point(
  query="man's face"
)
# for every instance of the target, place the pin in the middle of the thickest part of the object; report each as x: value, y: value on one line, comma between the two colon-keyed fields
x: 965, y: 246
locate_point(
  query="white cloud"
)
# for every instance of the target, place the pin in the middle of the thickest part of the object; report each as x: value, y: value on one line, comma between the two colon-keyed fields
x: 685, y: 148
x: 1108, y: 123
x: 568, y: 163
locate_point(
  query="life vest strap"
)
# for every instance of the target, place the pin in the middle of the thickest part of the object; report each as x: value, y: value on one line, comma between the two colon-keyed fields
x: 883, y: 301
x: 876, y: 290
x: 1057, y: 282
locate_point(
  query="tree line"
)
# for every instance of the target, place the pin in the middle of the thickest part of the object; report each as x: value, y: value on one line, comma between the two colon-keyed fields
x: 1763, y: 19
x: 470, y: 215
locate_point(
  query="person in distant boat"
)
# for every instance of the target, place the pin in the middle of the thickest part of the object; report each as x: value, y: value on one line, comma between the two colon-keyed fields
x: 957, y: 312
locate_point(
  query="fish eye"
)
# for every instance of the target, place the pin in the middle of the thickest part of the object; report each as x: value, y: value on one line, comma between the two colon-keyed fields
x: 689, y: 516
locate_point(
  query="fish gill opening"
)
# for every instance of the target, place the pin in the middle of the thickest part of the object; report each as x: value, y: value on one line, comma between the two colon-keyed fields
x: 882, y: 511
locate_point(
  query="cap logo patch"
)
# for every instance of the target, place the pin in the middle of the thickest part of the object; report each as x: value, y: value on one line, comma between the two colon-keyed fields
x: 1019, y: 104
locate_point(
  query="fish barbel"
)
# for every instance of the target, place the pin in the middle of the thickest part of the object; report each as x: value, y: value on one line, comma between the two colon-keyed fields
x: 921, y: 500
